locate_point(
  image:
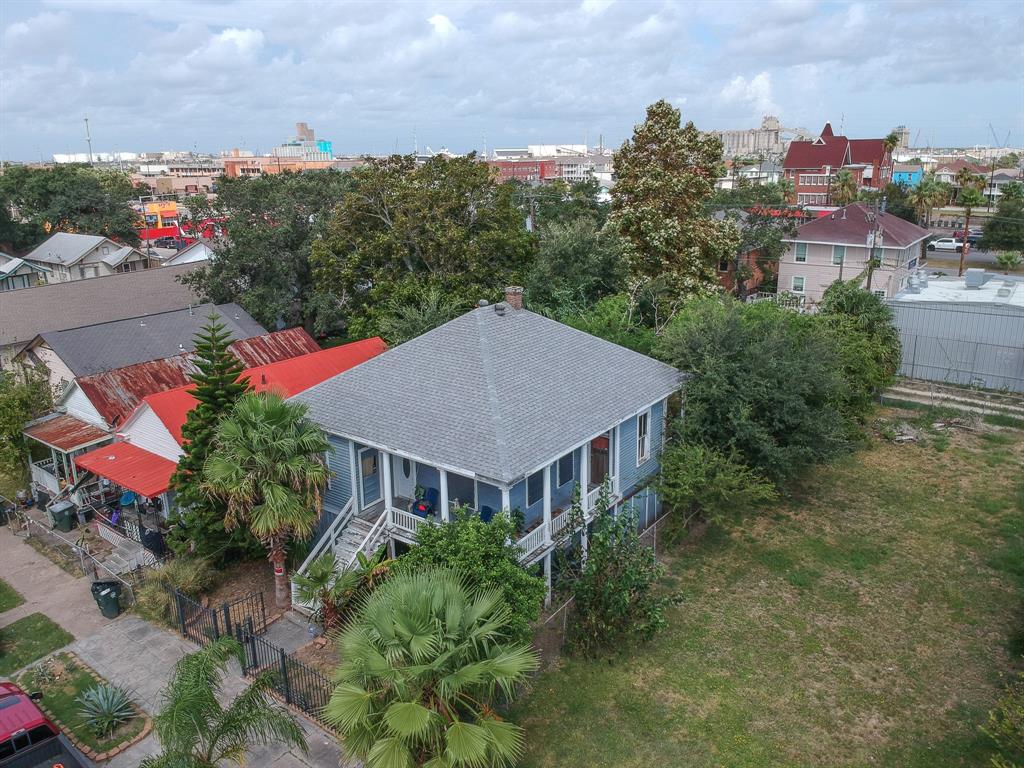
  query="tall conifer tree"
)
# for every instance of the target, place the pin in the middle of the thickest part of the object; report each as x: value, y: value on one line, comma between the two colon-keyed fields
x: 218, y: 386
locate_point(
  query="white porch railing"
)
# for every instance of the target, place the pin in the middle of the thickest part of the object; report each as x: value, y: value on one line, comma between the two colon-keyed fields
x: 405, y: 521
x: 534, y: 540
x: 43, y: 474
x: 559, y: 522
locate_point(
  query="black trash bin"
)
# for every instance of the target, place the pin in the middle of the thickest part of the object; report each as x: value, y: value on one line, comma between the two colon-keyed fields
x: 63, y: 516
x: 108, y: 597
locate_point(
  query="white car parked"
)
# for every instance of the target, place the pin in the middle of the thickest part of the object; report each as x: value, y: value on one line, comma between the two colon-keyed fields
x: 946, y: 244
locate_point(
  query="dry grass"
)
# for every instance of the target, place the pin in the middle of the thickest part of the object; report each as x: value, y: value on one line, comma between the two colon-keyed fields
x: 865, y: 622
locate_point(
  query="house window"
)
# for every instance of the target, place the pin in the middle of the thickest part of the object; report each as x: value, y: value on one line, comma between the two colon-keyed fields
x: 105, y: 250
x: 723, y: 265
x: 643, y: 437
x: 801, y: 253
x: 534, y: 488
x: 879, y: 294
x: 798, y: 284
x: 838, y: 254
x: 565, y: 470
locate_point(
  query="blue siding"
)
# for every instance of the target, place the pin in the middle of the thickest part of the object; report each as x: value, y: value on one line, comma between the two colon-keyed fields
x: 631, y: 475
x: 645, y: 506
x: 561, y: 496
x: 340, y: 464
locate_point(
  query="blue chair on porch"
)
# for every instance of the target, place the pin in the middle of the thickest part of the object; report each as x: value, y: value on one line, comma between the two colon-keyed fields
x: 428, y: 504
x: 486, y: 513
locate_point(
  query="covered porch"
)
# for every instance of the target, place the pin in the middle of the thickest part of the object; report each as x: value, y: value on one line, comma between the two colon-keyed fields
x: 55, y: 442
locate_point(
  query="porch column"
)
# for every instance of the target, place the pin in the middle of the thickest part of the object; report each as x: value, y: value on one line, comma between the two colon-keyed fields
x: 613, y: 462
x: 585, y: 478
x: 357, y: 493
x: 445, y: 514
x: 506, y: 499
x: 547, y: 505
x: 547, y: 580
x: 386, y: 468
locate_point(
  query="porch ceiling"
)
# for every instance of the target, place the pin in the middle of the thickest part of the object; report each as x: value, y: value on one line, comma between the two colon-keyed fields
x: 65, y: 433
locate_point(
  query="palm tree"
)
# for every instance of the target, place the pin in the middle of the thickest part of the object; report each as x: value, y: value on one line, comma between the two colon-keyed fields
x: 922, y: 198
x: 844, y: 188
x: 423, y: 665
x: 267, y: 464
x: 403, y: 321
x: 196, y: 731
x: 1008, y: 260
x: 891, y: 141
x: 329, y: 588
x: 967, y: 179
x: 970, y: 198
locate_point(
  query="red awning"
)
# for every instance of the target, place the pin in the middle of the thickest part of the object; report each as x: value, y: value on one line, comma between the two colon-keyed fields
x: 130, y: 467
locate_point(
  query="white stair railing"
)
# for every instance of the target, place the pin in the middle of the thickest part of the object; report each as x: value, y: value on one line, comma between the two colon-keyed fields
x: 371, y: 541
x: 328, y: 540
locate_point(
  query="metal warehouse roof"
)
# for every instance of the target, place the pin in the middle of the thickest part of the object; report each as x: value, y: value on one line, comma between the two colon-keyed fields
x: 130, y: 467
x: 495, y: 395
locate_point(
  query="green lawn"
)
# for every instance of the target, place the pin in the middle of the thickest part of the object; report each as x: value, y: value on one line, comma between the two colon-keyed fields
x: 28, y: 640
x: 866, y: 622
x: 63, y: 682
x: 9, y: 598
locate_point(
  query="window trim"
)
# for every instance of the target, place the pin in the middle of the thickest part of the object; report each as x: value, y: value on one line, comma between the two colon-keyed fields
x: 540, y: 475
x: 799, y: 258
x: 803, y: 285
x: 643, y: 441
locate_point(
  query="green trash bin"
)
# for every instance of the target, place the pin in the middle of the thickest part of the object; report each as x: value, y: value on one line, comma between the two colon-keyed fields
x: 108, y: 597
x: 63, y: 516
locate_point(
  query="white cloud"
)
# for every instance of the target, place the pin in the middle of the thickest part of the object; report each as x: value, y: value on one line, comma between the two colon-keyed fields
x: 595, y: 7
x: 755, y: 93
x: 443, y: 27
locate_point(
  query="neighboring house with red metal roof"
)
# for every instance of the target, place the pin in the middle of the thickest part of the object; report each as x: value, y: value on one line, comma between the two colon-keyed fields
x: 837, y: 246
x: 810, y: 166
x: 144, y: 457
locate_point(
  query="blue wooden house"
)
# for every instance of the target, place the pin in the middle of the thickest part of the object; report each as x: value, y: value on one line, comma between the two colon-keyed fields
x: 498, y: 409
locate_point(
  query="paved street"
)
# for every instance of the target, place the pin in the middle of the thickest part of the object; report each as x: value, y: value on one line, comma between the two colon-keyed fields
x: 128, y: 651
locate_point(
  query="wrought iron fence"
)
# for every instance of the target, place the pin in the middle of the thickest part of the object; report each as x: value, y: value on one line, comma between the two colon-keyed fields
x: 203, y: 625
x: 296, y: 683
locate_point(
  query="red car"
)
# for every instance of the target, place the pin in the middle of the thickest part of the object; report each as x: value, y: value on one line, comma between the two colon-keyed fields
x: 27, y: 737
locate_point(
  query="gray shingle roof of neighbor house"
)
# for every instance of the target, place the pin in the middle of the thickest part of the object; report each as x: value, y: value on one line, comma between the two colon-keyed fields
x: 28, y: 312
x: 103, y: 347
x: 495, y: 395
x: 64, y: 248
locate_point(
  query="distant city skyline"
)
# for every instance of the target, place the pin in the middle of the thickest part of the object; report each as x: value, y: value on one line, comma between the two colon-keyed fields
x: 210, y: 76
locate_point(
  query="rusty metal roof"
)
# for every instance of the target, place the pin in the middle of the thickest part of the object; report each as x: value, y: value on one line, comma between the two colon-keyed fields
x: 65, y: 433
x: 274, y: 347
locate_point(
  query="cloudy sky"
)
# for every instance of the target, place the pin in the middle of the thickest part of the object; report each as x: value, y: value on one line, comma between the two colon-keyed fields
x: 213, y: 75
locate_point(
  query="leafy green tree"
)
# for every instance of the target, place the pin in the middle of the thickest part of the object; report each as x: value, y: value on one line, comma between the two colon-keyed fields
x: 898, y: 203
x: 1006, y: 726
x: 700, y: 481
x: 1008, y: 260
x: 400, y: 226
x: 25, y: 394
x: 665, y: 174
x: 1006, y: 228
x: 425, y: 663
x: 560, y: 203
x: 272, y: 221
x: 267, y: 466
x: 577, y: 263
x: 616, y: 319
x: 199, y: 523
x: 197, y: 731
x: 486, y: 554
x: 767, y: 385
x: 406, y: 320
x: 843, y: 189
x: 70, y: 198
x: 614, y: 597
x: 331, y: 589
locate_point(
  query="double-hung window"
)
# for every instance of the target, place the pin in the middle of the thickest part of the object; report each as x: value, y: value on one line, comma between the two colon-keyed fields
x: 643, y: 437
x: 798, y: 284
x: 838, y: 254
x: 801, y: 253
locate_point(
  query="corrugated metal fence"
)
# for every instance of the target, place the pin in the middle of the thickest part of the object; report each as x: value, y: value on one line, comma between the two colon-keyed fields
x: 979, y: 346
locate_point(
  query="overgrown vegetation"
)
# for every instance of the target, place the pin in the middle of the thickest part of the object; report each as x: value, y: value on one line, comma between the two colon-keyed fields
x: 1006, y: 726
x: 334, y: 590
x: 191, y: 576
x: 25, y: 394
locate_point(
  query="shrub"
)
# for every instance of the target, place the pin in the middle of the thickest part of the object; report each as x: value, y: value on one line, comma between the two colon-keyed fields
x: 767, y: 384
x: 1006, y: 726
x: 104, y: 707
x: 333, y: 590
x: 614, y: 593
x: 154, y: 600
x: 698, y: 480
x: 487, y: 555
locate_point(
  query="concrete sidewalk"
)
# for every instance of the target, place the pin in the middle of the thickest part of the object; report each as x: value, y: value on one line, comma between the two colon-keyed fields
x: 47, y: 589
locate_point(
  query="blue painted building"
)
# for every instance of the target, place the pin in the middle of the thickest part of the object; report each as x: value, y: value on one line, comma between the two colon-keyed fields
x: 499, y: 409
x: 907, y: 175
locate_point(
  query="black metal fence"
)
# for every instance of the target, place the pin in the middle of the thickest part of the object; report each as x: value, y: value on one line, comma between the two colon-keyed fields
x: 203, y: 625
x: 296, y: 683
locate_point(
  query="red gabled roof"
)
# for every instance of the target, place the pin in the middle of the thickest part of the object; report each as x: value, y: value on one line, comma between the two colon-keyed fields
x: 870, y: 151
x: 286, y: 378
x: 850, y: 225
x: 130, y: 467
x: 828, y: 149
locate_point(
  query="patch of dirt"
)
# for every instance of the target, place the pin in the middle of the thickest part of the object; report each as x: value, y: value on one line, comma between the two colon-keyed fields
x: 241, y: 579
x: 323, y: 658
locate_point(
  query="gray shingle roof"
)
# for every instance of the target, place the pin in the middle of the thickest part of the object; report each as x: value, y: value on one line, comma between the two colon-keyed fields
x: 103, y: 347
x: 64, y: 248
x: 495, y: 396
x: 31, y: 311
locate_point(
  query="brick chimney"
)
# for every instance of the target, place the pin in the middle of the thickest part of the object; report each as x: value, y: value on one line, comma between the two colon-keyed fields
x: 514, y: 296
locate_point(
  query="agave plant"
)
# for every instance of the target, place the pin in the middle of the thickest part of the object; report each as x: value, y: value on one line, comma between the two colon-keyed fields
x: 104, y: 707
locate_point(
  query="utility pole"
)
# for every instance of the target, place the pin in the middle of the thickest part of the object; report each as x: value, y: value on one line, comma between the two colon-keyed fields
x: 88, y: 139
x: 876, y: 236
